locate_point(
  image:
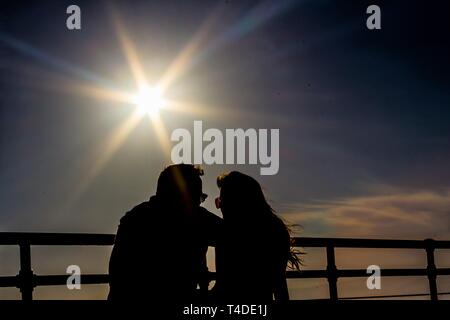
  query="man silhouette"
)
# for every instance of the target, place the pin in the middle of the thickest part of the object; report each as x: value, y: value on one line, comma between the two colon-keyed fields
x: 160, y: 247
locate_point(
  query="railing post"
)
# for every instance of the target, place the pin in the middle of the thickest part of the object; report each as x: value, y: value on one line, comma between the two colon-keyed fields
x: 25, y: 273
x: 332, y: 273
x: 431, y: 269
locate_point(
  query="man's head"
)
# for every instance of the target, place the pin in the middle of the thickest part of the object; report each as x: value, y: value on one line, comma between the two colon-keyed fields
x: 180, y: 184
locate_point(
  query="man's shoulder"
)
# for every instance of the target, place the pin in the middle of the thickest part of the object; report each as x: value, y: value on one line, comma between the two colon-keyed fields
x: 141, y: 211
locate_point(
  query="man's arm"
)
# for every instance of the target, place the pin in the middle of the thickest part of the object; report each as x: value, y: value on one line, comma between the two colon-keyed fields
x: 116, y: 272
x: 212, y: 226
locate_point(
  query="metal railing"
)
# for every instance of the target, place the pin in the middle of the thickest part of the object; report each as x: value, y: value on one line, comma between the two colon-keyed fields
x: 26, y: 280
x: 332, y: 273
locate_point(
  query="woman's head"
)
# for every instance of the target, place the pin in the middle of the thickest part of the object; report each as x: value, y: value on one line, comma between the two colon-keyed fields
x: 241, y: 197
x: 243, y: 203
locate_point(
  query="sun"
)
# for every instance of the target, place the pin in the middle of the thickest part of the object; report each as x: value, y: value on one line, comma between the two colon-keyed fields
x: 149, y: 100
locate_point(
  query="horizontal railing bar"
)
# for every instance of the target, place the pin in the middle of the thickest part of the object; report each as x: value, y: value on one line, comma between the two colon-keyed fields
x: 355, y: 273
x: 368, y: 243
x: 59, y: 239
x: 8, y: 281
x: 395, y: 296
x: 48, y: 280
x: 51, y: 280
x: 34, y: 238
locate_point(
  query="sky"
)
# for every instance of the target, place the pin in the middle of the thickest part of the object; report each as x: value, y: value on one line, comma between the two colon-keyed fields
x: 364, y: 120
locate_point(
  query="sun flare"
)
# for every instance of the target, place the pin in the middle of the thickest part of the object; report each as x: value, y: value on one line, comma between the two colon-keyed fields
x: 149, y: 100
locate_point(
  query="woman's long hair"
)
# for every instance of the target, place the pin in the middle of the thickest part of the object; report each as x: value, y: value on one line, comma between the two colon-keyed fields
x: 242, y: 200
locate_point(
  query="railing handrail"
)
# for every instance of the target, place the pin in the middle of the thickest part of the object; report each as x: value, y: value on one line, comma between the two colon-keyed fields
x: 370, y: 243
x: 26, y: 280
x: 56, y: 239
x: 102, y: 239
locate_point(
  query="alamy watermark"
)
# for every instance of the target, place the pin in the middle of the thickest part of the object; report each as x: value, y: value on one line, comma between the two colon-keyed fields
x: 235, y: 146
x: 374, y: 280
x: 373, y: 22
x: 73, y: 21
x: 74, y: 280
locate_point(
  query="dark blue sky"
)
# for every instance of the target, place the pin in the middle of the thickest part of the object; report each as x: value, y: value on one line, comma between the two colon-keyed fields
x: 355, y: 108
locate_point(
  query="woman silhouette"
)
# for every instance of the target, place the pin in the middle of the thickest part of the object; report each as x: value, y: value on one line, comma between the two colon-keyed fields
x: 255, y: 248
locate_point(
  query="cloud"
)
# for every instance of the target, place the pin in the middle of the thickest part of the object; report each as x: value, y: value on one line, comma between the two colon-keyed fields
x: 399, y: 214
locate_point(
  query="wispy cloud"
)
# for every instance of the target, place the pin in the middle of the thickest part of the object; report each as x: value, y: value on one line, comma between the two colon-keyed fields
x: 399, y: 214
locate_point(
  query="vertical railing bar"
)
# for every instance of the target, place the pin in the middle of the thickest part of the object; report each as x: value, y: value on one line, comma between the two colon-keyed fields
x: 431, y: 269
x: 332, y: 273
x: 25, y: 273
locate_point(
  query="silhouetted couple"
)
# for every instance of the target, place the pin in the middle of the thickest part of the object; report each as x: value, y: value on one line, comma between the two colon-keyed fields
x: 160, y: 247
